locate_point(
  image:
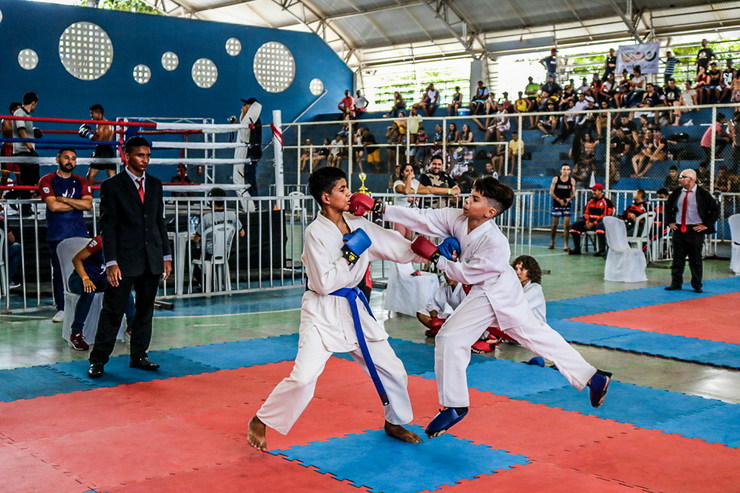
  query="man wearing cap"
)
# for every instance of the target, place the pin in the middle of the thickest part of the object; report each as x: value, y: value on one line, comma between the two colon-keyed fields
x: 551, y: 64
x: 596, y: 209
x: 692, y: 212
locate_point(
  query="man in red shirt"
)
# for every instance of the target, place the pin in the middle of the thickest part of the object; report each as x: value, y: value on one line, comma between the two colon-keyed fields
x: 347, y: 106
x: 592, y: 220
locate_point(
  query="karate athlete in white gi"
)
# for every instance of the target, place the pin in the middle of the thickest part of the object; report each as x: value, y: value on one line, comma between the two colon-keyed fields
x: 496, y: 298
x: 336, y: 252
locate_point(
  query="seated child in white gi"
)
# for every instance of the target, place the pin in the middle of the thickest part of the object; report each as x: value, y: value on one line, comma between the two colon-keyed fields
x: 530, y: 275
x: 450, y: 293
x: 336, y: 251
x: 495, y: 300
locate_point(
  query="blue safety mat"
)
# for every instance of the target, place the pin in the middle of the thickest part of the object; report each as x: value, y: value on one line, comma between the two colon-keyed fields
x: 374, y: 460
x: 666, y: 345
x: 231, y: 355
x: 27, y: 383
x: 255, y: 302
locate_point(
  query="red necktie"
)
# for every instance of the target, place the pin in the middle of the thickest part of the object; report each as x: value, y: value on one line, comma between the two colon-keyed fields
x: 140, y: 181
x: 683, y: 212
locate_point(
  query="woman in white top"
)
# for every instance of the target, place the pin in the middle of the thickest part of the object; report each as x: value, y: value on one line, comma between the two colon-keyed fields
x: 407, y: 184
x: 530, y: 275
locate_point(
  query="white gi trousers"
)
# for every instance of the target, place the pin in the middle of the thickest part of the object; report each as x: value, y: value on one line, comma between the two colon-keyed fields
x: 239, y: 179
x: 474, y: 315
x: 291, y: 396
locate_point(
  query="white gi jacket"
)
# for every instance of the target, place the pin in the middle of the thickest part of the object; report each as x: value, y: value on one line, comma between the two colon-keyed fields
x: 328, y: 271
x: 536, y: 300
x: 445, y: 295
x: 483, y: 260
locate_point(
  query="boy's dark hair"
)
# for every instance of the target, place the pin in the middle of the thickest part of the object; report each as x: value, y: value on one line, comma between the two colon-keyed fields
x: 720, y: 117
x: 532, y: 267
x: 499, y: 196
x: 30, y: 97
x: 323, y: 181
x: 97, y: 107
x: 641, y: 193
x: 662, y: 191
x: 217, y: 192
x: 673, y: 167
x: 14, y: 106
x: 135, y: 142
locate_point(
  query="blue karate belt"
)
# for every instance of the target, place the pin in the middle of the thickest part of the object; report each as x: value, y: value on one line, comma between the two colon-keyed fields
x: 352, y: 294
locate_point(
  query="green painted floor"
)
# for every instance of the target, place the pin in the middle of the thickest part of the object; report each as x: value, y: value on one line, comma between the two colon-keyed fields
x: 31, y: 340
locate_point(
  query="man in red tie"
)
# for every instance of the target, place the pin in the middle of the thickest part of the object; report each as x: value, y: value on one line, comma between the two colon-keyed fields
x: 692, y: 212
x: 137, y: 255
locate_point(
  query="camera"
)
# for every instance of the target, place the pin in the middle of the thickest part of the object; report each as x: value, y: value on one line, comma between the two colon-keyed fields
x: 232, y: 119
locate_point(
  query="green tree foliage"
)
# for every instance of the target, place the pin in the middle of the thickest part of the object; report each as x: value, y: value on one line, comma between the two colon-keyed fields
x: 125, y: 6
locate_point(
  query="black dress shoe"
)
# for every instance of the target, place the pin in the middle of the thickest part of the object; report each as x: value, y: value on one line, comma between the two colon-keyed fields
x: 698, y: 290
x: 143, y: 363
x: 95, y: 370
x: 600, y: 253
x: 673, y: 288
x: 574, y: 252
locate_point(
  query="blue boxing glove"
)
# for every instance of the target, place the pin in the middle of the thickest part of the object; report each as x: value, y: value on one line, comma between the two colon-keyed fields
x: 356, y: 242
x: 448, y: 246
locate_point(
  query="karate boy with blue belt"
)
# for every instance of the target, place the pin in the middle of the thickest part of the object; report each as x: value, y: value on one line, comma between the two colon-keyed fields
x: 496, y: 298
x: 334, y: 314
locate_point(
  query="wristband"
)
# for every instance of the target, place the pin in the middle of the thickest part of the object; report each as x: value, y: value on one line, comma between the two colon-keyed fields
x: 449, y: 191
x: 86, y: 277
x: 90, y: 135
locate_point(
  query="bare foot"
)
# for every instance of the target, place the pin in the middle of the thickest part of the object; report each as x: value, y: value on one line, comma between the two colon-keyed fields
x: 398, y: 431
x: 256, y: 435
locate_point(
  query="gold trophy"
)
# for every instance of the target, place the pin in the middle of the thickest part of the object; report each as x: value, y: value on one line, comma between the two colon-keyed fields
x: 363, y: 188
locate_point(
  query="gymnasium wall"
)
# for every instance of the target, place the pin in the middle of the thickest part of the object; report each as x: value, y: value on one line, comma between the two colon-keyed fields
x: 143, y: 39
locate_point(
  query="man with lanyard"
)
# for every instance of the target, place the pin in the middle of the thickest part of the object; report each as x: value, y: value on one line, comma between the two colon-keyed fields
x: 66, y: 196
x: 692, y: 212
x: 596, y: 209
x: 103, y: 132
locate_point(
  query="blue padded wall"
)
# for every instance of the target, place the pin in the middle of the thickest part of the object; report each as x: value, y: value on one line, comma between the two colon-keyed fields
x: 142, y: 39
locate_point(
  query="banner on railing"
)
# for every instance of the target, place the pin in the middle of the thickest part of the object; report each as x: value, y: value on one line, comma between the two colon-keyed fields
x: 645, y: 55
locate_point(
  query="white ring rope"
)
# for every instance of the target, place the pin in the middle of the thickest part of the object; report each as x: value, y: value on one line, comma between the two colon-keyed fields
x: 197, y: 145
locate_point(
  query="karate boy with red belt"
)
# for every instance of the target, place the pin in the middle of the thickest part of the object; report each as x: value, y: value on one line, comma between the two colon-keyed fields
x: 496, y: 298
x: 336, y: 252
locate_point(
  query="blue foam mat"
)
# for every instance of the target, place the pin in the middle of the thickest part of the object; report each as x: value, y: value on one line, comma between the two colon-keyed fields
x: 232, y: 355
x: 376, y: 461
x: 36, y: 381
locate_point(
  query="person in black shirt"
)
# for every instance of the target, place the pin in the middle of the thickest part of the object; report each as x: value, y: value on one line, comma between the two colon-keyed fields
x: 622, y: 148
x: 610, y: 65
x: 562, y: 191
x: 437, y: 181
x: 551, y: 87
x: 725, y: 84
x: 672, y: 97
x: 704, y: 56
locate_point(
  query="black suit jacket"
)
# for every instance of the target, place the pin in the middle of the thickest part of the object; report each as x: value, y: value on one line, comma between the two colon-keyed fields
x: 705, y: 203
x: 134, y: 234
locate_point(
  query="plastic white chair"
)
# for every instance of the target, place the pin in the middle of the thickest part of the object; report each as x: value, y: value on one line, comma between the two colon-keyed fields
x: 296, y: 205
x: 623, y: 264
x: 642, y: 231
x: 66, y: 250
x: 734, y: 221
x: 408, y: 294
x: 215, y: 267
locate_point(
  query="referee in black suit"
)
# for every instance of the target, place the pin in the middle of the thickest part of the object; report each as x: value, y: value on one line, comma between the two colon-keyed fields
x: 137, y: 255
x: 691, y: 212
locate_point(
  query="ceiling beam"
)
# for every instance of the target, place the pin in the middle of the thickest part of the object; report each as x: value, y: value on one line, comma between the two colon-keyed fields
x: 627, y: 21
x: 444, y: 13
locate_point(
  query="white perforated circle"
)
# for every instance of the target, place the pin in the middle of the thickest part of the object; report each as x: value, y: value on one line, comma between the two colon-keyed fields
x: 233, y: 46
x: 274, y: 67
x: 85, y: 50
x: 170, y: 61
x: 28, y: 59
x: 316, y: 87
x: 204, y: 73
x: 1, y: 15
x: 142, y: 74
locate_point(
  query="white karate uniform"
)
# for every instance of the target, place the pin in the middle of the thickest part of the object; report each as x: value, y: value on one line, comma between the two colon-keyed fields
x: 496, y: 299
x: 327, y: 327
x: 536, y: 300
x: 242, y: 136
x: 443, y: 296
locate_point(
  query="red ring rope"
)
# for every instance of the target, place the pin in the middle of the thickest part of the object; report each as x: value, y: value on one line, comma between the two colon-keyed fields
x: 72, y: 120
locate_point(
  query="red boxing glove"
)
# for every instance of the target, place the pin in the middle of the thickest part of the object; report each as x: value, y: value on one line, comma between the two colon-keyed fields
x: 360, y: 204
x: 425, y: 248
x: 251, y: 126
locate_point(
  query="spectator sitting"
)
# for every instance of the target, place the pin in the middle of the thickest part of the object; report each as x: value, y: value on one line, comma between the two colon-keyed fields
x: 467, y: 179
x: 672, y: 99
x: 336, y: 146
x: 407, y: 184
x: 437, y: 181
x: 655, y: 151
x: 622, y: 89
x: 360, y: 103
x: 181, y: 178
x: 456, y: 102
x: 306, y: 154
x: 637, y: 208
x: 371, y: 148
x: 552, y: 88
x: 321, y: 154
x: 521, y: 105
x: 399, y: 104
x: 438, y: 134
x: 584, y: 87
x: 609, y: 89
x: 596, y: 209
x: 548, y: 123
x: 430, y: 101
x: 477, y: 104
x: 497, y: 159
x: 671, y: 181
x: 714, y: 86
x: 452, y: 135
x: 347, y: 106
x: 703, y: 176
x: 638, y: 86
x: 530, y: 275
x: 568, y: 95
x: 499, y: 124
x: 214, y: 218
x: 422, y: 150
x: 701, y: 84
x: 728, y: 77
x: 450, y: 293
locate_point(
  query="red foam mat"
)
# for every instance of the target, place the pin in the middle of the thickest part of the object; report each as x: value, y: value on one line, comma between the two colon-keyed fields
x: 713, y: 318
x: 189, y: 434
